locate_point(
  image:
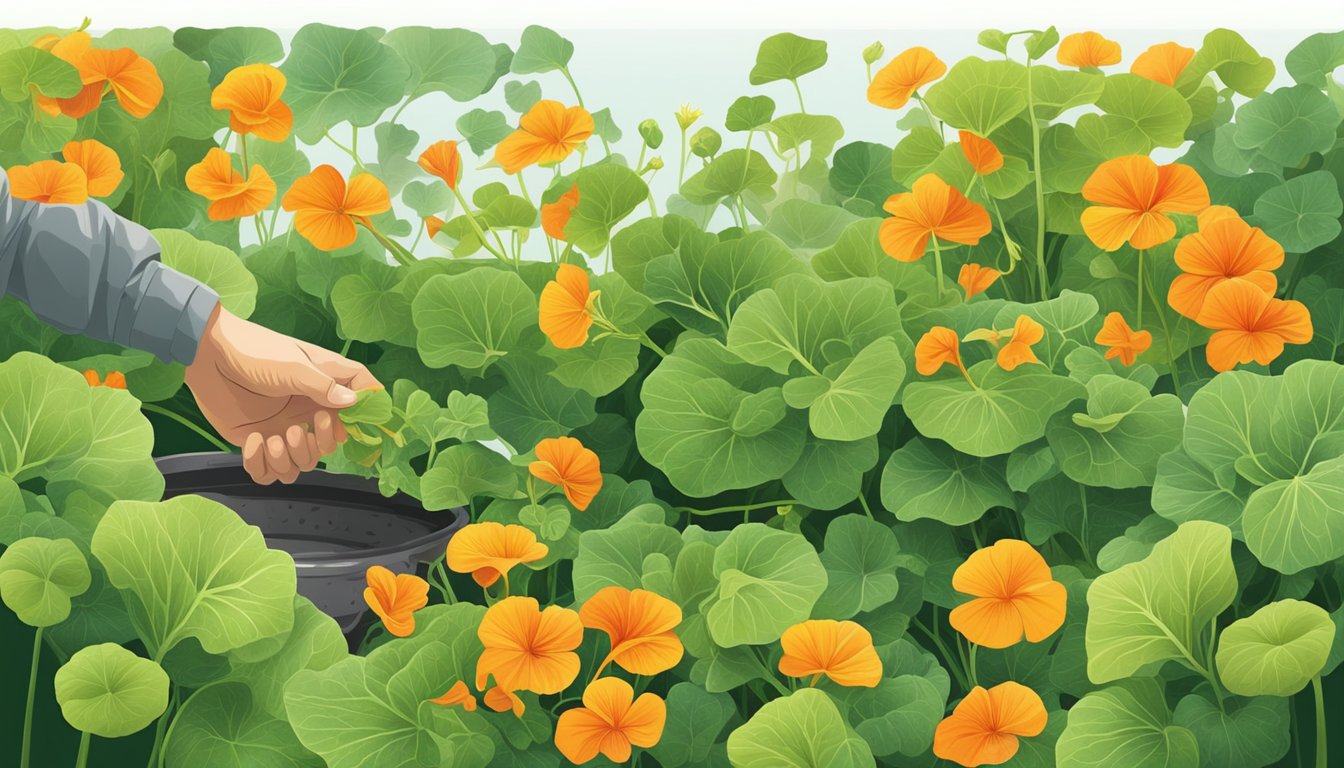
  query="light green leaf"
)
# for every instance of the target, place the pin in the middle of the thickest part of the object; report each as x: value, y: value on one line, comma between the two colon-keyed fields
x: 607, y: 194
x: 45, y: 414
x: 38, y: 577
x: 471, y: 319
x: 370, y: 309
x: 1294, y: 524
x: 534, y: 405
x: 769, y: 580
x: 229, y: 48
x: 216, y: 266
x: 522, y: 96
x: 925, y: 478
x: 1314, y: 60
x: 25, y: 69
x: 462, y: 472
x: 979, y: 95
x: 1125, y: 726
x: 457, y: 62
x: 1240, y: 734
x: 222, y: 725
x: 807, y: 226
x: 615, y: 556
x: 1287, y: 124
x: 803, y: 730
x: 695, y: 718
x: 786, y: 56
x: 1142, y: 113
x: 731, y: 174
x: 108, y: 691
x: 338, y: 75
x: 1233, y: 59
x: 117, y: 463
x: 1117, y: 442
x: 1275, y: 651
x: 830, y: 473
x: 314, y: 642
x: 1054, y: 91
x: 1303, y: 213
x: 748, y: 113
x: 860, y: 557
x: 482, y: 129
x: 541, y: 50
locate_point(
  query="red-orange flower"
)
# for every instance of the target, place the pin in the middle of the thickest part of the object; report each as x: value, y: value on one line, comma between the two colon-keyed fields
x: 1123, y: 341
x: 985, y: 726
x: 1087, y: 49
x: 442, y: 159
x: 395, y: 598
x: 49, y: 181
x: 938, y: 346
x: 1134, y: 196
x: 231, y: 196
x: 1163, y: 63
x: 325, y: 210
x: 981, y: 153
x: 841, y: 650
x: 565, y: 310
x: 1014, y: 596
x: 931, y: 209
x: 1224, y: 248
x: 101, y: 166
x: 565, y: 463
x: 528, y: 649
x: 548, y: 133
x: 458, y: 694
x: 1250, y: 325
x: 894, y: 84
x: 132, y: 79
x: 610, y: 721
x: 251, y: 94
x: 639, y: 624
x: 975, y: 279
x: 489, y: 550
x: 1018, y: 349
x: 114, y: 380
x: 555, y: 216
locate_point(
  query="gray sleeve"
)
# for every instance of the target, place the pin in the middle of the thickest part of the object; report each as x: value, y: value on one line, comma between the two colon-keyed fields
x: 85, y: 270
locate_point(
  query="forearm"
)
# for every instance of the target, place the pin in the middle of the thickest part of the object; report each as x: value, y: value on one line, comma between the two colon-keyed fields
x: 85, y: 270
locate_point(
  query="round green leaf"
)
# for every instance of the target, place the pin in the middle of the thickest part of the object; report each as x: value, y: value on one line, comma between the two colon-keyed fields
x: 1302, y: 214
x: 39, y: 576
x: 607, y: 194
x: 803, y: 730
x: 24, y: 69
x: 1242, y: 733
x: 1125, y: 726
x: 860, y: 557
x: 463, y: 472
x: 1287, y: 124
x: 471, y: 319
x: 457, y: 62
x: 926, y: 478
x: 1294, y: 524
x: 108, y: 691
x: 338, y: 75
x: 1118, y: 440
x: 979, y: 95
x: 1314, y: 60
x: 748, y: 113
x: 1275, y: 651
x: 768, y: 581
x: 1142, y: 113
x: 221, y: 725
x: 541, y: 50
x: 786, y: 56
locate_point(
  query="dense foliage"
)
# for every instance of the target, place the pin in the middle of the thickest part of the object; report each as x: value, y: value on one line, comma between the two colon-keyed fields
x: 844, y: 454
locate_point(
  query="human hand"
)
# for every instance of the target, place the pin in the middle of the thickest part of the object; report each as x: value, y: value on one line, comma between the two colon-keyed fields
x: 276, y: 397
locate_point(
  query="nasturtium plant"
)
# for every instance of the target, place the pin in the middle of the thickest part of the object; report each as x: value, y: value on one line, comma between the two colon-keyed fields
x: 776, y: 442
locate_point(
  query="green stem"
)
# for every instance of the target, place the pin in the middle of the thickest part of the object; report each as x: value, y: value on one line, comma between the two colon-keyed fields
x: 938, y: 265
x: 799, y: 91
x: 970, y: 665
x: 83, y: 758
x: 32, y: 692
x: 1294, y: 278
x: 952, y: 664
x: 522, y: 186
x: 476, y: 227
x: 768, y: 675
x: 681, y: 170
x: 1138, y: 301
x: 155, y: 753
x: 188, y: 423
x: 866, y: 509
x: 933, y: 122
x: 739, y: 507
x: 402, y: 108
x: 1166, y: 332
x: 1040, y: 188
x: 347, y: 150
x: 1321, y: 759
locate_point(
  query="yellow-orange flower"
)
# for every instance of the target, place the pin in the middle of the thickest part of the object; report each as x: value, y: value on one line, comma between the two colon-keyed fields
x: 840, y: 650
x: 501, y: 699
x: 458, y: 694
x: 1088, y: 49
x: 252, y: 96
x: 1123, y: 341
x: 931, y: 209
x: 985, y: 726
x: 1163, y: 63
x: 565, y: 463
x: 1018, y: 349
x: 938, y: 346
x: 489, y: 550
x: 1250, y: 325
x: 610, y: 721
x: 132, y: 79
x: 49, y: 181
x: 555, y: 216
x: 395, y: 598
x: 528, y: 649
x: 115, y: 379
x: 975, y: 279
x: 565, y: 310
x: 325, y: 210
x: 548, y: 133
x: 639, y: 624
x: 981, y: 153
x: 231, y: 196
x: 442, y: 159
x: 1134, y: 196
x: 912, y: 69
x: 1224, y: 248
x: 1014, y: 596
x: 101, y: 166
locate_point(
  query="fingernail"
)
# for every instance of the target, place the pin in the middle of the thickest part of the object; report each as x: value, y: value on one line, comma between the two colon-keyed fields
x: 342, y: 396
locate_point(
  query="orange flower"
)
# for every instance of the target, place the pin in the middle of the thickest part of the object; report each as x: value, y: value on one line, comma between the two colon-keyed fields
x: 975, y: 279
x: 981, y: 153
x: 114, y: 380
x: 564, y: 462
x: 1088, y: 49
x: 49, y: 181
x: 1224, y: 248
x: 1250, y: 325
x: 931, y: 209
x: 565, y: 310
x: 1134, y: 196
x: 101, y: 166
x: 1018, y: 349
x: 985, y: 726
x: 1163, y: 63
x: 434, y: 225
x: 555, y: 216
x: 395, y: 598
x: 894, y: 84
x: 442, y: 159
x: 938, y: 346
x: 1124, y: 342
x: 458, y: 694
x: 92, y: 378
x: 501, y: 699
x: 548, y: 133
x: 610, y: 721
x: 230, y: 195
x: 251, y: 94
x: 527, y: 648
x: 489, y: 550
x: 132, y: 79
x: 325, y: 211
x: 840, y: 650
x: 639, y: 624
x: 1014, y: 595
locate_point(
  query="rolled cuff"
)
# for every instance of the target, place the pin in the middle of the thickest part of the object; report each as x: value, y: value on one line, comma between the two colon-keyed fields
x: 165, y: 313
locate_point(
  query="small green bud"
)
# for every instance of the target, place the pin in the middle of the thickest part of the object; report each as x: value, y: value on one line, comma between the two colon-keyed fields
x: 651, y: 133
x: 706, y: 142
x: 656, y: 162
x: 873, y: 52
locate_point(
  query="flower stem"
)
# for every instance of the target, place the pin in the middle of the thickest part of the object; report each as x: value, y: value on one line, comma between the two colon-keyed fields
x: 739, y: 507
x: 681, y: 170
x: 799, y: 91
x: 83, y: 758
x: 1138, y: 301
x: 188, y: 423
x: 476, y: 227
x: 32, y: 692
x: 1321, y: 760
x: 938, y: 265
x: 1040, y: 188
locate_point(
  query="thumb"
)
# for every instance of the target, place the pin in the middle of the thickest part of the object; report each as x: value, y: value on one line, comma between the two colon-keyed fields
x: 315, y: 384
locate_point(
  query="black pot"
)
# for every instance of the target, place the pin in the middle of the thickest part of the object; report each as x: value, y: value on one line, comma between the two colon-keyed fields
x: 335, y: 526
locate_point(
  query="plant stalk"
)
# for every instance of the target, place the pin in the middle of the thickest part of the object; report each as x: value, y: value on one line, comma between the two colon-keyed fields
x: 32, y: 694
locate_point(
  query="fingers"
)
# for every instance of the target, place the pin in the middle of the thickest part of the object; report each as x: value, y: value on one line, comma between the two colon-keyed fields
x: 345, y: 371
x: 254, y: 459
x: 283, y: 457
x: 311, y: 381
x: 278, y: 461
x: 301, y: 450
x: 324, y: 432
